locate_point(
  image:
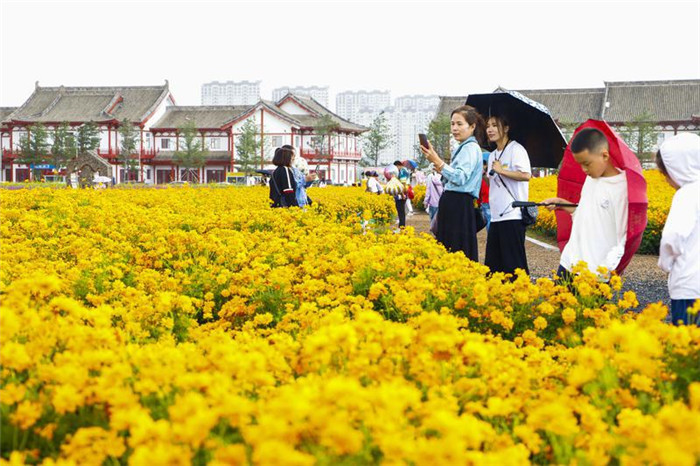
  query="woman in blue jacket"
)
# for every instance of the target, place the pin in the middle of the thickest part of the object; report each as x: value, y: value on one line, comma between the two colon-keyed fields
x: 456, y: 222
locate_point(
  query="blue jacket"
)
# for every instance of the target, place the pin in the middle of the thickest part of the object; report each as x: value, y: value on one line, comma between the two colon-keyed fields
x: 463, y: 174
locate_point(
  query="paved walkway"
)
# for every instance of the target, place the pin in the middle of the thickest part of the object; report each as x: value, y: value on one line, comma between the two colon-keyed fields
x: 642, y: 275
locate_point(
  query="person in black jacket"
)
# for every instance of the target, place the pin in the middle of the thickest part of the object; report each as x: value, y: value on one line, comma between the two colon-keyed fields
x: 282, y: 184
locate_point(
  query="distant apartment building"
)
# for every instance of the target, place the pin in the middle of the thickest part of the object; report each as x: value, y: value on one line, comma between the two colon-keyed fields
x: 231, y: 93
x: 411, y: 115
x: 354, y: 105
x: 318, y: 93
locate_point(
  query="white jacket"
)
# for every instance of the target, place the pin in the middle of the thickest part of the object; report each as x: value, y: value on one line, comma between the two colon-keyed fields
x: 679, y: 252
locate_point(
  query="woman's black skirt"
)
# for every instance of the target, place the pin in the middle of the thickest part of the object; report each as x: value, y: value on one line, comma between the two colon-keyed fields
x: 456, y: 223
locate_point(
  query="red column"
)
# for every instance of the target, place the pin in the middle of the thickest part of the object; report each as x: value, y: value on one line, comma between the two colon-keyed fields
x: 109, y: 140
x: 12, y: 130
x: 262, y: 140
x: 230, y: 147
x: 140, y: 154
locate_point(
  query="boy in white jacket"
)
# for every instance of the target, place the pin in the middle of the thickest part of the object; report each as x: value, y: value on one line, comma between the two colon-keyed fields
x: 678, y: 159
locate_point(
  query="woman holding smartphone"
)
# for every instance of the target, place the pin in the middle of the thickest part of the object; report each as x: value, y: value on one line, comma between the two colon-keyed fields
x: 456, y: 217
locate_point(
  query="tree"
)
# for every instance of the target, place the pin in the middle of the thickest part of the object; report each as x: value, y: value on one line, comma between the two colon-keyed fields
x: 567, y: 128
x: 191, y: 152
x: 641, y: 136
x: 34, y: 147
x: 128, y: 147
x: 420, y: 158
x: 375, y: 141
x: 322, y: 129
x: 64, y: 146
x: 439, y: 133
x: 248, y: 146
x: 88, y: 137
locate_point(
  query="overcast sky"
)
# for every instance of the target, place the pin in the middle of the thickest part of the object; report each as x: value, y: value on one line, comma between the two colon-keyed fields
x: 444, y: 48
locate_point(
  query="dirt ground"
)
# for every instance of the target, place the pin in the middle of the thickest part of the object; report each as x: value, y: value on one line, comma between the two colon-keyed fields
x: 642, y: 275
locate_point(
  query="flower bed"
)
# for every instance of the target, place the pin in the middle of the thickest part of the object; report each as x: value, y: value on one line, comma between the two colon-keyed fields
x: 199, y: 326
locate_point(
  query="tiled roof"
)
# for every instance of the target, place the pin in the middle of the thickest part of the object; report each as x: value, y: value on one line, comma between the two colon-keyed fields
x: 665, y: 100
x: 214, y: 116
x: 449, y: 103
x: 569, y: 105
x: 5, y: 112
x: 315, y: 106
x: 82, y: 104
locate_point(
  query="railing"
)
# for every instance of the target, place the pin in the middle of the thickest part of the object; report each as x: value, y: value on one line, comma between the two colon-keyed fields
x: 335, y: 154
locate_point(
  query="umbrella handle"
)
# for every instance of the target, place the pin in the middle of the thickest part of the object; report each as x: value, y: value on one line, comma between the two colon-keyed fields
x: 517, y: 204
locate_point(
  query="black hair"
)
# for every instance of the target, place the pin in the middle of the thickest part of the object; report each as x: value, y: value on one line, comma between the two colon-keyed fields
x: 398, y: 162
x: 473, y: 117
x: 283, y: 156
x: 589, y: 139
x: 660, y: 163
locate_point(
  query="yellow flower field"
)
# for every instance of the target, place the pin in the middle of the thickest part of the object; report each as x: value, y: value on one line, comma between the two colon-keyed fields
x: 199, y: 326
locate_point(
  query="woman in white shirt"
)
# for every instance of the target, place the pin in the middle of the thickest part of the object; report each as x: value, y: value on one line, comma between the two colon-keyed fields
x: 509, y: 173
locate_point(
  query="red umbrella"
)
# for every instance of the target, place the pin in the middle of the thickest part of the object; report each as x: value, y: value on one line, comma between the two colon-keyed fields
x: 570, y: 182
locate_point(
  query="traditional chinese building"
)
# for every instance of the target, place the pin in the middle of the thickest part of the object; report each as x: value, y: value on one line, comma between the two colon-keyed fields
x: 159, y: 121
x: 291, y: 120
x: 106, y: 107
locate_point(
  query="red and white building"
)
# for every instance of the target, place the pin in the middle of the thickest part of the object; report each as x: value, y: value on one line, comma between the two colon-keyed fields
x: 107, y: 107
x: 290, y: 120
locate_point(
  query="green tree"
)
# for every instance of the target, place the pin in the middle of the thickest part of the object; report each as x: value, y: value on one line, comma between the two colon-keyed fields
x: 34, y: 147
x: 88, y: 137
x: 128, y: 142
x: 419, y: 157
x: 64, y: 146
x: 248, y: 146
x: 191, y: 152
x: 567, y: 128
x: 322, y: 129
x: 375, y: 141
x: 439, y: 133
x: 641, y: 136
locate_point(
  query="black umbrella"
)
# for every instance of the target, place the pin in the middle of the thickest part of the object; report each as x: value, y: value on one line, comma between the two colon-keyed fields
x: 531, y: 124
x: 264, y: 172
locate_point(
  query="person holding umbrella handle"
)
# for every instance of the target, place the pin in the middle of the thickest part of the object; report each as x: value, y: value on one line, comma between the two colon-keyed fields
x: 509, y: 174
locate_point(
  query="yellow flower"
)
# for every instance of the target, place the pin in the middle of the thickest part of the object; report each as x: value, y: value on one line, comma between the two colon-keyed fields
x: 568, y: 315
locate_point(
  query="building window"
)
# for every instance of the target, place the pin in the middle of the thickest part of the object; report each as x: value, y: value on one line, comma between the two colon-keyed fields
x: 214, y: 143
x: 165, y: 143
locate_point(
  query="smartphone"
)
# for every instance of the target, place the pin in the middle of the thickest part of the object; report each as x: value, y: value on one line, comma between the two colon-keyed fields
x: 423, y: 140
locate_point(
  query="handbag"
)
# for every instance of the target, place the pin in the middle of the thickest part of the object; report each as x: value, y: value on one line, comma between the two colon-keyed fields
x: 283, y: 200
x: 529, y: 213
x: 410, y: 193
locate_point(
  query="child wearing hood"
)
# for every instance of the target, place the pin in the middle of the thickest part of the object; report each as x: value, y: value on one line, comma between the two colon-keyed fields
x: 678, y: 160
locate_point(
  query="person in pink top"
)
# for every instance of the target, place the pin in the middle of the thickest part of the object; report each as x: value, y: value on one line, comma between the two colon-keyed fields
x: 433, y: 191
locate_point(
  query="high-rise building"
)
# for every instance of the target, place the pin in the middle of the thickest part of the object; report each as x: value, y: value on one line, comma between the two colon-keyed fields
x: 318, y: 93
x: 231, y: 93
x: 412, y: 114
x: 350, y: 104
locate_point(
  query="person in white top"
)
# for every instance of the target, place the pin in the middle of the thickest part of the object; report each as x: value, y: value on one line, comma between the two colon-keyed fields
x: 678, y: 159
x: 599, y: 227
x: 373, y: 185
x: 509, y: 174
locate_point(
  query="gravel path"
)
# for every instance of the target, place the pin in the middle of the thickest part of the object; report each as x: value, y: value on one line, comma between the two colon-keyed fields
x: 642, y: 275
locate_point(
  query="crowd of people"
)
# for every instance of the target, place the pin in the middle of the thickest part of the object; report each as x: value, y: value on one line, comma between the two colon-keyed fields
x: 477, y: 189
